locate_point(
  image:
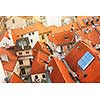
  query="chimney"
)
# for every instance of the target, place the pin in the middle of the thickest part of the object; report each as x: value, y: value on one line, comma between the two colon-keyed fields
x: 10, y: 36
x: 23, y: 27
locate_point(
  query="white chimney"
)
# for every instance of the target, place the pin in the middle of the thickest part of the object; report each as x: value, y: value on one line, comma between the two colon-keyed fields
x: 10, y: 36
x: 23, y: 27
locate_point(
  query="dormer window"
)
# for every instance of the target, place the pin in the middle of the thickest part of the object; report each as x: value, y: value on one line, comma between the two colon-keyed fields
x: 96, y: 18
x: 13, y: 21
x: 91, y: 20
x: 86, y: 21
x: 71, y: 30
x: 66, y: 37
x: 87, y: 30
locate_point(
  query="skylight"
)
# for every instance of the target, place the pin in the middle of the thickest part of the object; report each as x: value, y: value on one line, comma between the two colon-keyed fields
x: 85, y: 60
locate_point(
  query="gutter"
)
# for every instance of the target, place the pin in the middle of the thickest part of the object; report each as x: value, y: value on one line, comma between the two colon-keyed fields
x: 73, y: 74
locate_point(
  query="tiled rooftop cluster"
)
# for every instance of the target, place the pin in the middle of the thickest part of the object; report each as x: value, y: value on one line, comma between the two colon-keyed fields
x: 54, y: 54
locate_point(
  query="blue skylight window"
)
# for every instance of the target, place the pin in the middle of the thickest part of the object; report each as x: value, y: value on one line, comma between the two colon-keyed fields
x: 85, y: 60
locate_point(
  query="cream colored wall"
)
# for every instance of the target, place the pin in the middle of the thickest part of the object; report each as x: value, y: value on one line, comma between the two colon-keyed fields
x: 24, y: 53
x: 18, y: 23
x: 26, y: 62
x: 27, y: 70
x: 39, y: 76
x: 65, y: 20
x: 17, y: 68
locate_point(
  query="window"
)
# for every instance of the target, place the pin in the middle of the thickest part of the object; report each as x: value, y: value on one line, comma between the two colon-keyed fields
x: 20, y: 62
x: 22, y: 70
x: 86, y: 21
x: 85, y: 60
x: 66, y: 37
x: 36, y: 77
x: 42, y: 17
x: 9, y: 38
x: 20, y: 53
x: 22, y: 43
x: 31, y: 40
x: 21, y: 35
x: 30, y: 61
x: 43, y: 76
x: 4, y: 25
x: 33, y: 33
x: 27, y: 52
x: 42, y: 36
x: 13, y: 21
x: 29, y: 33
x: 48, y: 34
x: 96, y: 18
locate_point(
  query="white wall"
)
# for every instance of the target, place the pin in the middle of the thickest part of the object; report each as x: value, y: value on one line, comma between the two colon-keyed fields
x: 2, y: 74
x: 34, y: 38
x: 5, y: 42
x: 39, y: 77
x: 53, y: 20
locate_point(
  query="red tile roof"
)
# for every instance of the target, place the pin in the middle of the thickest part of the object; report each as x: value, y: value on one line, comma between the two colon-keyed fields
x: 38, y: 65
x: 52, y: 28
x: 9, y: 66
x: 92, y: 36
x: 15, y: 79
x: 4, y: 35
x: 81, y: 22
x: 40, y: 46
x: 92, y: 70
x: 36, y: 27
x: 69, y: 26
x: 59, y: 38
x: 60, y: 72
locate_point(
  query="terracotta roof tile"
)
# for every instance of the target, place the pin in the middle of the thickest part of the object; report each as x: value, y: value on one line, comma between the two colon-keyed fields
x: 4, y: 35
x: 36, y: 27
x: 38, y: 65
x: 92, y: 36
x: 52, y: 28
x: 8, y: 66
x: 40, y: 46
x: 60, y: 72
x: 62, y: 37
x: 80, y: 20
x: 15, y: 79
x: 74, y: 56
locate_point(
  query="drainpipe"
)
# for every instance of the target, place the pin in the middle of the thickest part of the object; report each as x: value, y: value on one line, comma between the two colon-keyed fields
x: 48, y: 74
x: 74, y: 75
